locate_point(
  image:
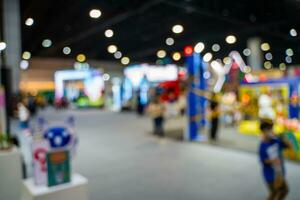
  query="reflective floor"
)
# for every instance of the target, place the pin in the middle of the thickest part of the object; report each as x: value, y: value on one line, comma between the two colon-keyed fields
x: 124, y: 162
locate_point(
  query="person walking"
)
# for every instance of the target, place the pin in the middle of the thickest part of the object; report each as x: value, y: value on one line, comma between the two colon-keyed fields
x: 156, y: 111
x: 271, y: 157
x: 214, y: 117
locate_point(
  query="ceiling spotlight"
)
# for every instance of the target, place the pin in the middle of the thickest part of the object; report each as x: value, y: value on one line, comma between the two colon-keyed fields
x: 288, y: 59
x: 268, y: 65
x: 176, y: 56
x: 81, y: 58
x: 29, y: 22
x: 95, y: 13
x: 230, y: 39
x: 216, y: 47
x: 177, y: 29
x: 170, y: 41
x: 46, y: 43
x: 269, y: 56
x: 109, y: 33
x: 161, y: 54
x: 289, y: 52
x: 207, y: 57
x: 247, y: 52
x: 112, y: 48
x: 66, y: 50
x: 293, y: 32
x: 265, y: 46
x: 118, y: 55
x: 282, y: 66
x: 26, y: 55
x: 199, y: 47
x: 125, y: 60
x: 2, y: 46
x: 24, y: 64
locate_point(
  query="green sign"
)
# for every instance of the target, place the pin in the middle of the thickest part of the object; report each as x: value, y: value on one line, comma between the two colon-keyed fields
x: 58, y: 164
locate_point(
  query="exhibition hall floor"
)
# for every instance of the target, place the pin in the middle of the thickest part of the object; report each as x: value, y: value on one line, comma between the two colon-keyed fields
x: 122, y: 161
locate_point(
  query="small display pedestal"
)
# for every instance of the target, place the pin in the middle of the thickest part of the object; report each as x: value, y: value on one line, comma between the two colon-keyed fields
x: 76, y: 189
x: 10, y: 174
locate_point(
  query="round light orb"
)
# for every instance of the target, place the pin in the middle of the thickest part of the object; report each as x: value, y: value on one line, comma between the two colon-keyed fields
x: 95, y: 13
x: 125, y: 60
x: 288, y: 59
x: 161, y: 54
x: 247, y: 52
x: 269, y: 56
x: 216, y: 47
x: 268, y: 65
x: 66, y: 50
x: 46, y: 43
x: 112, y: 48
x: 230, y: 39
x: 293, y: 32
x: 2, y: 46
x: 81, y: 57
x: 176, y: 56
x: 109, y: 33
x: 199, y: 47
x: 118, y: 55
x: 282, y: 66
x: 29, y: 21
x: 177, y: 28
x: 170, y: 41
x: 26, y: 55
x: 24, y: 64
x: 289, y: 52
x: 207, y: 57
x: 265, y: 46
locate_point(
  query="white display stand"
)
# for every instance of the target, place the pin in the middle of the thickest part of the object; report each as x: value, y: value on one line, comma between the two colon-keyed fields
x: 76, y: 189
x: 10, y: 174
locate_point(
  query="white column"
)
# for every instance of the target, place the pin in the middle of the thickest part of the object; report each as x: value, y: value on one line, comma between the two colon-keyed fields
x: 12, y: 37
x: 255, y: 60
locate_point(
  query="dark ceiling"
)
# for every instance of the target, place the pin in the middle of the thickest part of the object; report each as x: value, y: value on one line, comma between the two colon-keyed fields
x: 141, y: 26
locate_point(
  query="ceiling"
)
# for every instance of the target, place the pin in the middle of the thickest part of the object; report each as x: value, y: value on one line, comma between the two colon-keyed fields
x: 141, y: 26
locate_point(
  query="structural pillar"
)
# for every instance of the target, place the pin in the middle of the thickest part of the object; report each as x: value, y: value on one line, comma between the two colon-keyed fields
x: 255, y: 60
x: 12, y: 37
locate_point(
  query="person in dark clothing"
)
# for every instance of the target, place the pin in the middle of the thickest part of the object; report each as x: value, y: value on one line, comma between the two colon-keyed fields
x: 214, y: 114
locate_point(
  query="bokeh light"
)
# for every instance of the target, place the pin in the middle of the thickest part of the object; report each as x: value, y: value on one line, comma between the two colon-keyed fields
x: 81, y: 57
x: 289, y: 52
x: 176, y: 56
x: 66, y: 50
x: 26, y: 55
x: 267, y: 65
x: 125, y: 60
x: 112, y: 48
x: 161, y: 54
x: 46, y: 43
x: 109, y: 33
x: 199, y: 47
x: 230, y: 39
x: 247, y: 52
x: 265, y: 46
x: 29, y: 21
x: 216, y: 47
x: 282, y: 66
x: 293, y: 32
x: 207, y: 57
x: 24, y: 64
x: 177, y: 29
x: 95, y: 13
x: 118, y: 55
x: 269, y: 56
x: 170, y: 41
x: 2, y: 46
